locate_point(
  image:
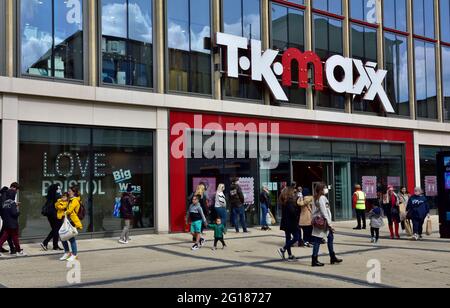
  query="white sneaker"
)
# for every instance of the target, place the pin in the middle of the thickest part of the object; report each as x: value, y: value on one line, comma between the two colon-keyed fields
x: 123, y: 242
x: 202, y: 241
x: 372, y: 240
x: 21, y: 254
x: 65, y: 257
x: 416, y: 237
x: 72, y: 258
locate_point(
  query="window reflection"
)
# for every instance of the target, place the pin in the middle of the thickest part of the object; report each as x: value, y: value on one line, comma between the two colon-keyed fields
x: 52, y: 46
x: 445, y: 20
x: 364, y: 47
x: 188, y: 29
x: 288, y: 26
x: 394, y: 14
x: 365, y: 10
x: 424, y: 17
x: 327, y: 41
x: 242, y: 18
x: 127, y: 42
x: 396, y: 63
x: 425, y: 74
x: 331, y: 6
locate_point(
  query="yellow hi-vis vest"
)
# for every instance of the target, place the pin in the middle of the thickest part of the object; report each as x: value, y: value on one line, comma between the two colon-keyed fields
x: 361, y: 201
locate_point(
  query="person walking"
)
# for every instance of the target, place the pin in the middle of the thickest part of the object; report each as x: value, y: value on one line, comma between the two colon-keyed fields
x: 49, y: 210
x: 10, y: 217
x: 418, y: 209
x: 403, y: 198
x: 12, y: 250
x: 305, y: 222
x: 290, y: 215
x: 219, y: 231
x: 220, y: 205
x: 265, y: 204
x: 198, y: 219
x: 72, y: 212
x: 322, y: 226
x: 237, y: 205
x: 392, y: 211
x: 359, y: 204
x: 126, y: 211
x: 376, y: 221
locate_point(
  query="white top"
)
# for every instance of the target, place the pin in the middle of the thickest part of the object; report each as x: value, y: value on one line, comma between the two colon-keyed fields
x: 220, y: 200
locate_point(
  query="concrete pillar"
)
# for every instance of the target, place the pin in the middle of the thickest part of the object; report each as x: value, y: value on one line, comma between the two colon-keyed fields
x: 10, y: 140
x: 159, y: 45
x: 346, y: 45
x: 216, y: 22
x: 93, y: 44
x: 162, y: 172
x: 411, y: 70
x: 440, y: 98
x: 380, y: 36
x: 10, y: 37
x: 308, y: 47
x: 265, y: 38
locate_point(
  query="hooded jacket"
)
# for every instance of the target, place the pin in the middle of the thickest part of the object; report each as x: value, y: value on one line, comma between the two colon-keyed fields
x: 376, y: 218
x: 72, y: 212
x: 306, y: 205
x: 10, y: 212
x: 126, y: 206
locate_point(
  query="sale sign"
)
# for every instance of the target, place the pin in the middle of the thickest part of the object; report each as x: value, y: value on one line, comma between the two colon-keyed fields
x: 248, y: 189
x: 369, y: 186
x: 431, y: 189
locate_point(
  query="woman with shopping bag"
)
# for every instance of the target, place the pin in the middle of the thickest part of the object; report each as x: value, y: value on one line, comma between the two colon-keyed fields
x: 418, y: 209
x: 71, y: 216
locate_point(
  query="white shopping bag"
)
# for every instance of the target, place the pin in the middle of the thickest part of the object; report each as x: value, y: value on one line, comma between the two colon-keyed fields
x: 67, y: 231
x: 268, y: 219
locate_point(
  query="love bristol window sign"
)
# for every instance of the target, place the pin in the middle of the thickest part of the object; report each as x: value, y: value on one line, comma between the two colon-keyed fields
x: 264, y: 67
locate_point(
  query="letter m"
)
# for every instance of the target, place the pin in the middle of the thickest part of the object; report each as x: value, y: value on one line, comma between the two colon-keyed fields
x: 302, y: 59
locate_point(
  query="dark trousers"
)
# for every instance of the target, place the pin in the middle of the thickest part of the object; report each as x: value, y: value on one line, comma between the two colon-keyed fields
x: 239, y: 216
x: 307, y: 234
x: 291, y: 239
x: 375, y: 232
x: 219, y: 239
x: 55, y: 224
x: 10, y: 241
x: 14, y: 234
x: 418, y: 225
x: 361, y: 215
x: 318, y: 242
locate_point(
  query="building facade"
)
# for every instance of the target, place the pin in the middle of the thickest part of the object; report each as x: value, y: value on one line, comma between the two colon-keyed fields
x: 101, y: 93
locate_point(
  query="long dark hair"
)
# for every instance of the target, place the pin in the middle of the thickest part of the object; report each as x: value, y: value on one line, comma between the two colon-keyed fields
x: 52, y: 191
x: 319, y: 191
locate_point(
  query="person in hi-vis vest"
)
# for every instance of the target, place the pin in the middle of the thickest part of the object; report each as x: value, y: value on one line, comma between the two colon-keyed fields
x: 359, y: 204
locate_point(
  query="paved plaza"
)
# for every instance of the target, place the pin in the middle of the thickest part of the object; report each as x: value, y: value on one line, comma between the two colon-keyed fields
x: 250, y: 261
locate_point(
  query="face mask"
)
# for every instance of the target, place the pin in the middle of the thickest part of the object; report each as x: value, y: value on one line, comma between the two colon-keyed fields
x: 326, y: 191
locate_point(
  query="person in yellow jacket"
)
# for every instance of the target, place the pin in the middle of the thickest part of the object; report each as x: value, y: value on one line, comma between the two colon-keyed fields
x: 73, y: 207
x: 359, y: 204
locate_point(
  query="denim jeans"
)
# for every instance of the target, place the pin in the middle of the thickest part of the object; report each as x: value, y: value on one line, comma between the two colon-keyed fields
x: 318, y: 242
x: 264, y: 212
x: 73, y: 244
x: 291, y: 239
x: 222, y: 214
x: 239, y: 216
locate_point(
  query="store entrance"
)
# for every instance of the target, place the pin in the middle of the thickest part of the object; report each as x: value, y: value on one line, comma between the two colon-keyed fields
x: 310, y: 173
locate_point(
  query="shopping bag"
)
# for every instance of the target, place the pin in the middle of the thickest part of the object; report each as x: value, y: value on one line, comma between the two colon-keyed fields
x: 67, y: 231
x: 272, y: 219
x: 268, y: 219
x: 116, y: 211
x: 408, y: 227
x: 402, y: 212
x: 429, y: 229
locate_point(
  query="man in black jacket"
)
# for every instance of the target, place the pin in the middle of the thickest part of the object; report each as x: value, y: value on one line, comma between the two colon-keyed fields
x: 237, y: 205
x: 10, y: 216
x: 3, y: 194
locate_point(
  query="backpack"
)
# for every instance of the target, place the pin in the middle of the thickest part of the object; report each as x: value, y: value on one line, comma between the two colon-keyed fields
x: 81, y: 212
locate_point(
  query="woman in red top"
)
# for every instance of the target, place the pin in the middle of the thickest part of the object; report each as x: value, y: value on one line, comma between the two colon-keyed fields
x: 392, y: 211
